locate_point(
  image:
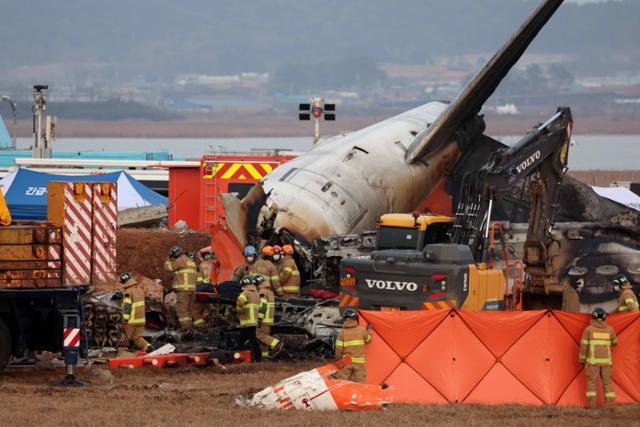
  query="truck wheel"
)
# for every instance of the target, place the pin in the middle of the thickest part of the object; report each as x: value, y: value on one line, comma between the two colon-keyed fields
x: 5, y: 344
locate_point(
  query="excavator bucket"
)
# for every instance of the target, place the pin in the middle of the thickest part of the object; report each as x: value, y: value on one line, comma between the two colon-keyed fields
x: 5, y: 215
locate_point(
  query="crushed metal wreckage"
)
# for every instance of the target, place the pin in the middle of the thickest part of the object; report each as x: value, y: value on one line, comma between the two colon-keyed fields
x: 316, y: 390
x: 307, y: 326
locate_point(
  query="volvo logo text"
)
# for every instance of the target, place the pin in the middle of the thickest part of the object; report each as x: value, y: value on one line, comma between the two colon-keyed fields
x: 391, y: 285
x: 528, y: 162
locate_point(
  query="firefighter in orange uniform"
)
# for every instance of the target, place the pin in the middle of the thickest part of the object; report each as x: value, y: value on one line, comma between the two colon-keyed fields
x: 185, y: 276
x: 595, y: 354
x: 247, y: 306
x: 351, y: 340
x: 288, y: 271
x: 207, y: 257
x: 627, y: 300
x: 198, y: 308
x: 133, y: 313
x: 266, y: 277
x: 243, y: 270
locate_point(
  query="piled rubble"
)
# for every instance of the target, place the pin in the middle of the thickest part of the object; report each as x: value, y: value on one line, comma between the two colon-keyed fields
x: 145, y: 250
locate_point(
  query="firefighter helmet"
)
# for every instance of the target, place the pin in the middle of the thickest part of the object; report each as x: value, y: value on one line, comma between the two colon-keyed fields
x: 125, y: 277
x: 267, y: 251
x: 250, y: 250
x: 349, y: 313
x: 175, y: 251
x: 620, y: 280
x: 246, y: 281
x: 287, y: 249
x: 257, y: 279
x: 277, y: 249
x: 599, y: 314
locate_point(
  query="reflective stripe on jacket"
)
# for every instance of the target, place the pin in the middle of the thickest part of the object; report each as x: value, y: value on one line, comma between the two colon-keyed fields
x: 266, y: 269
x: 133, y: 304
x: 185, y: 274
x: 247, y: 305
x: 289, y: 275
x: 627, y: 300
x: 595, y: 346
x: 351, y: 340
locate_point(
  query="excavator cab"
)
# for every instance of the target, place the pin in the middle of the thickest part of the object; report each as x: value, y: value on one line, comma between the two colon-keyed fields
x: 412, y: 231
x: 5, y: 215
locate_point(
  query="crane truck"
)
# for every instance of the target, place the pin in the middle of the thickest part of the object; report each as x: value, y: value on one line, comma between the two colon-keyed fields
x: 427, y: 262
x: 36, y: 312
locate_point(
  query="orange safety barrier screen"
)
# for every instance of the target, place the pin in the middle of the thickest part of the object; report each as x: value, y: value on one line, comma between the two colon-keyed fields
x: 531, y: 357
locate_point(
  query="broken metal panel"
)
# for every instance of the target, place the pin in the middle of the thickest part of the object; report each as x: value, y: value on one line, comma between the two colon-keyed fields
x: 314, y: 391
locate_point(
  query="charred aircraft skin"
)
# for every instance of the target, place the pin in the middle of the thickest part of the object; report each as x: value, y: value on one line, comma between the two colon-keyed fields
x: 314, y: 195
x: 344, y: 183
x: 591, y: 256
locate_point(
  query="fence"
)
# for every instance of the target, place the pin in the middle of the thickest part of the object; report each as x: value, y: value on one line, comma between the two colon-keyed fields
x: 530, y: 357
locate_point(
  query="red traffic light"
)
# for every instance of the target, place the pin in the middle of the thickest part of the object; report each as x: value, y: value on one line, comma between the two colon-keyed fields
x: 317, y: 112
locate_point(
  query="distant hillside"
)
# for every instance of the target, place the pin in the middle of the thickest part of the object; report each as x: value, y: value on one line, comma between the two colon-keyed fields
x: 158, y: 39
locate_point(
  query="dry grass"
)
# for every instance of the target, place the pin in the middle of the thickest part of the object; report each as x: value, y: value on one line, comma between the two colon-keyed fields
x: 199, y: 397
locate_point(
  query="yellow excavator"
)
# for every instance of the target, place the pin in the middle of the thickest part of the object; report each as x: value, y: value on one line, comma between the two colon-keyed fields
x: 430, y: 262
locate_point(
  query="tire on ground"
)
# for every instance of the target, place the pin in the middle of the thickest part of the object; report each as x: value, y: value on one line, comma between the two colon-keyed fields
x: 5, y: 344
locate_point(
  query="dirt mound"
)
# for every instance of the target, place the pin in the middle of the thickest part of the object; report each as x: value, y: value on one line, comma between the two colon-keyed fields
x: 145, y: 251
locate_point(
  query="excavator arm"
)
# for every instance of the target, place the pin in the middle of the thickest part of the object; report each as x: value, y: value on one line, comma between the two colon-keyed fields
x: 539, y: 157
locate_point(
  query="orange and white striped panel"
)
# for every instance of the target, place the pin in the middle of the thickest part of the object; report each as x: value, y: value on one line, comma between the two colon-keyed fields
x: 77, y: 233
x: 105, y: 219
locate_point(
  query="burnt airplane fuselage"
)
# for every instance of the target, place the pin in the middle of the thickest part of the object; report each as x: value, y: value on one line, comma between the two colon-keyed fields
x: 346, y: 182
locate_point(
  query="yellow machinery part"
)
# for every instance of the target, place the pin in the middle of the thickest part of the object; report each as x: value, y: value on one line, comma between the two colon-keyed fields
x: 5, y: 215
x: 421, y: 222
x: 485, y: 286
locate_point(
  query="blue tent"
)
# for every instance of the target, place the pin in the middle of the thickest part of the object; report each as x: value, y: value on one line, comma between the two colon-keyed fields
x: 26, y: 191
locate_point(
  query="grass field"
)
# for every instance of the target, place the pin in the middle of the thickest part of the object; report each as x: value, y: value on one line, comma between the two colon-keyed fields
x: 205, y: 397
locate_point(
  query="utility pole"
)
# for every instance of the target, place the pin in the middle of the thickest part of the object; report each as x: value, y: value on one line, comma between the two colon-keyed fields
x: 315, y: 108
x: 42, y: 141
x: 14, y: 131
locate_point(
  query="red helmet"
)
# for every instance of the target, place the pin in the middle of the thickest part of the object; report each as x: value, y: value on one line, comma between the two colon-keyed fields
x: 287, y: 249
x: 277, y: 249
x: 267, y: 251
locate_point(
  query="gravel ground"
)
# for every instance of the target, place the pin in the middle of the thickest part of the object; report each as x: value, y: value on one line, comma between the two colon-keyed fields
x: 199, y: 397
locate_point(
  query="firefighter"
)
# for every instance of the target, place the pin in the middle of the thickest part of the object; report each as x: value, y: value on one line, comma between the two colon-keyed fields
x: 271, y: 346
x: 247, y: 305
x: 268, y: 282
x: 351, y: 341
x: 133, y: 313
x: 288, y: 271
x: 250, y: 257
x: 595, y: 354
x: 185, y: 276
x: 207, y: 257
x: 627, y: 300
